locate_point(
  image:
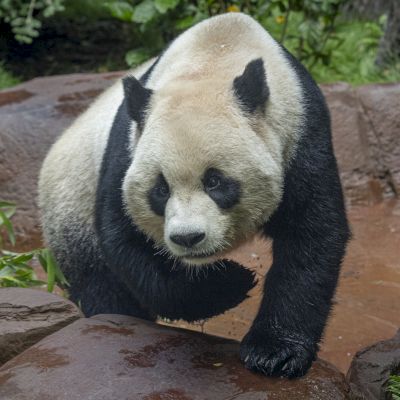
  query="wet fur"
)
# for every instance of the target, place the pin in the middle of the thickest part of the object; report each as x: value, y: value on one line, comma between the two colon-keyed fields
x: 113, y: 267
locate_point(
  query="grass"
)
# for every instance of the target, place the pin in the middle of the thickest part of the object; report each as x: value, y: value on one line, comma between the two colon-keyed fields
x: 6, y: 78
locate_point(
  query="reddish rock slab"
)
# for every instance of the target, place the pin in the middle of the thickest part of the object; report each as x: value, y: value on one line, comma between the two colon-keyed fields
x: 381, y: 104
x: 371, y: 368
x: 349, y: 127
x: 117, y: 357
x: 32, y: 116
x: 366, y: 139
x: 27, y: 316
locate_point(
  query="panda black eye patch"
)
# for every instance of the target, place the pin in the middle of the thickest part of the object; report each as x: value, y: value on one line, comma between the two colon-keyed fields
x: 223, y: 190
x: 158, y: 195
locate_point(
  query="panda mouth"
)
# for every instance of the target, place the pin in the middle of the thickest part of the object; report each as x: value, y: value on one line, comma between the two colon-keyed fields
x: 200, y: 255
x: 202, y: 258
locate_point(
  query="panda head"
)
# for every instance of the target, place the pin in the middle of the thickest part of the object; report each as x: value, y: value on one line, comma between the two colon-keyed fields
x: 206, y: 171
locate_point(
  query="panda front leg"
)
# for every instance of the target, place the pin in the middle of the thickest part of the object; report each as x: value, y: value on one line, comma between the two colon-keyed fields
x: 309, y: 239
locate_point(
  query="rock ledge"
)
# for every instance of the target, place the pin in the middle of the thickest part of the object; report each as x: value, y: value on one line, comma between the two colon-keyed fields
x: 27, y: 316
x: 117, y: 357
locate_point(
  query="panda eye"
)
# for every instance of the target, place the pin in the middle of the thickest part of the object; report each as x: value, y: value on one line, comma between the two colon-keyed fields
x: 158, y: 195
x: 213, y: 182
x: 224, y: 190
x: 162, y: 191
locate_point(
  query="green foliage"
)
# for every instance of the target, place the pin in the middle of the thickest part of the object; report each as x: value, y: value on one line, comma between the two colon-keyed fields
x: 14, y: 270
x: 89, y: 10
x: 332, y: 49
x: 394, y: 387
x: 14, y: 267
x: 159, y: 21
x: 24, y: 16
x: 354, y: 60
x: 305, y: 27
x: 6, y: 79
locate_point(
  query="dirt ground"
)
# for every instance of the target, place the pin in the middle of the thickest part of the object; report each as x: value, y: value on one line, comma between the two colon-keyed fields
x: 367, y: 305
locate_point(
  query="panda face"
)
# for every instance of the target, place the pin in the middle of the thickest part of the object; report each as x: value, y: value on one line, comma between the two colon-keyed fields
x: 202, y: 179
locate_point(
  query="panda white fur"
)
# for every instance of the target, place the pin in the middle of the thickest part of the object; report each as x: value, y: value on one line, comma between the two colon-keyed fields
x: 222, y: 137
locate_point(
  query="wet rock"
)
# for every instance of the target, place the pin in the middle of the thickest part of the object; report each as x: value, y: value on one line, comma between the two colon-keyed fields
x: 366, y: 139
x: 117, y: 357
x: 380, y: 105
x: 32, y: 116
x: 371, y: 368
x: 349, y: 126
x: 27, y: 316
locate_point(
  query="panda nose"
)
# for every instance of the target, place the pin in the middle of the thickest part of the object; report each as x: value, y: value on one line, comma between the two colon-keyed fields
x: 188, y: 239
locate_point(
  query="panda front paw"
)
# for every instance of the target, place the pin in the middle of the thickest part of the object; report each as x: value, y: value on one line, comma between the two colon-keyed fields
x: 276, y: 355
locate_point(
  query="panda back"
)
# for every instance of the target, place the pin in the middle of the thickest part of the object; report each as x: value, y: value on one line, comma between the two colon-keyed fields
x: 69, y: 174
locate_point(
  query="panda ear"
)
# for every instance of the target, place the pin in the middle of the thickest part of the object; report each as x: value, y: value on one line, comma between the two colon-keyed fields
x: 137, y: 98
x: 250, y: 88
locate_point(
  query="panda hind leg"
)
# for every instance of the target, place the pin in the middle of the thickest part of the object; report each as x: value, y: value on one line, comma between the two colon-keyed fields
x: 92, y: 285
x: 102, y: 293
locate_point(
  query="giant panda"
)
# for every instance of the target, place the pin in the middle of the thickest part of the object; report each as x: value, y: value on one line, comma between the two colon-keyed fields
x: 224, y: 136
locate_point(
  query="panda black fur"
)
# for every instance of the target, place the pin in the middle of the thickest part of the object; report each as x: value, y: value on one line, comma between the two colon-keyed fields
x: 225, y: 135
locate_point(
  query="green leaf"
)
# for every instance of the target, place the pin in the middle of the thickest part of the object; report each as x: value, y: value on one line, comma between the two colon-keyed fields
x: 54, y: 273
x: 23, y: 38
x: 136, y: 56
x: 42, y: 261
x: 4, y: 220
x: 144, y: 12
x: 22, y: 258
x: 120, y: 10
x: 6, y: 204
x: 185, y: 23
x: 8, y: 208
x: 6, y: 271
x: 36, y: 282
x: 60, y: 277
x: 163, y: 6
x: 11, y: 281
x: 51, y: 273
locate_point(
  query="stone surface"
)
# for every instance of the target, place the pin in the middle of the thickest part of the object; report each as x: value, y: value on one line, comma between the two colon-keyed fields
x: 371, y: 368
x: 32, y: 116
x: 27, y: 316
x: 381, y: 105
x: 366, y: 138
x: 351, y: 148
x: 117, y: 357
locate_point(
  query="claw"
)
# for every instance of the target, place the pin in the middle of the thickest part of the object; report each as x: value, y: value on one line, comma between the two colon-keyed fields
x: 276, y: 357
